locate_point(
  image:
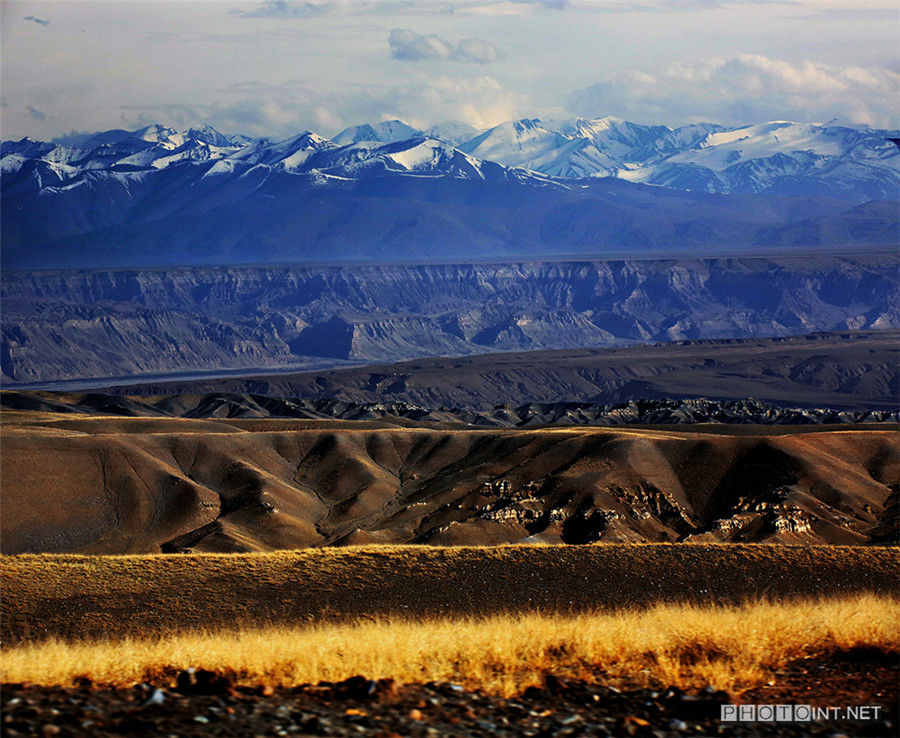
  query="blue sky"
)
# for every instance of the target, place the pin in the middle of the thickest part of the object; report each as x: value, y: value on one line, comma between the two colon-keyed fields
x: 277, y: 68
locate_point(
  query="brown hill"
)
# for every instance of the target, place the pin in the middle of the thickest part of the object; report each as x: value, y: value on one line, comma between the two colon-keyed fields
x: 101, y: 484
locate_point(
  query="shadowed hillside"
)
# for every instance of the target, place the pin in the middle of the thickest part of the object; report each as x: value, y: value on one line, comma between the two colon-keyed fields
x: 102, y: 484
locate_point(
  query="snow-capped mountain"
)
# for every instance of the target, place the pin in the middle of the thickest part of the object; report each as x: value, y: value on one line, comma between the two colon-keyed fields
x: 452, y: 132
x: 388, y: 131
x: 391, y: 131
x: 129, y: 153
x: 614, y: 136
x: 421, y: 156
x: 528, y: 186
x: 778, y: 157
x: 528, y: 144
x: 289, y: 155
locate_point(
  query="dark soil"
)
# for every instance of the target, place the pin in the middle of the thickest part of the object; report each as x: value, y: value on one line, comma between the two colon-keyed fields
x: 204, y: 704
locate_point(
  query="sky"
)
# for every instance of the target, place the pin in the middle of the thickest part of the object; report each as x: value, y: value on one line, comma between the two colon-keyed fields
x: 276, y: 68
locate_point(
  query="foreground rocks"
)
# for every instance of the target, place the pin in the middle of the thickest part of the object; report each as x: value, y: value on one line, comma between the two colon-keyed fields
x: 202, y: 704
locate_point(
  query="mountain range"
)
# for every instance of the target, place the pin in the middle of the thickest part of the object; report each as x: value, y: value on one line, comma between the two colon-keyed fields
x: 388, y: 191
x: 777, y: 157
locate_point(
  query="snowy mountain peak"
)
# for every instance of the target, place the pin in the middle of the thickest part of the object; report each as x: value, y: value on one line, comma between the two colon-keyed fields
x: 614, y: 136
x: 598, y: 124
x: 26, y: 147
x: 452, y: 132
x: 288, y: 154
x: 396, y: 130
x: 514, y: 143
x: 387, y: 131
x: 161, y: 134
x: 208, y: 135
x: 308, y: 140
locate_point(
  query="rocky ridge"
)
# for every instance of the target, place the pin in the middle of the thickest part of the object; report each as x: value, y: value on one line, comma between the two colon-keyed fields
x: 854, y: 371
x: 113, y: 324
x: 533, y: 414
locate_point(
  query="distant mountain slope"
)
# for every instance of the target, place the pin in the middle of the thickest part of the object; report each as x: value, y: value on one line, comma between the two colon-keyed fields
x: 129, y: 323
x: 856, y: 371
x: 779, y: 157
x: 527, y: 144
x: 160, y: 197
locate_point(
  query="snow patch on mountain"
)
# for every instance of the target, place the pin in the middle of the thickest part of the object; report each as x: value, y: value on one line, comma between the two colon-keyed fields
x: 452, y: 132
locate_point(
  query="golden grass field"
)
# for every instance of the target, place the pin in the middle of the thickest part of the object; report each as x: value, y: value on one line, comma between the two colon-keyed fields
x: 75, y: 597
x: 495, y: 619
x: 729, y: 647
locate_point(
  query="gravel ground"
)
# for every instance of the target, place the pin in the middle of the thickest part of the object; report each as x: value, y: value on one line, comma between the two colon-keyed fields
x: 204, y: 704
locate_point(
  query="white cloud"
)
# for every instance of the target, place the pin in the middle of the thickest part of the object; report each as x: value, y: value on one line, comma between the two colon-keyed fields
x: 555, y: 4
x: 744, y: 89
x: 477, y: 50
x: 408, y: 45
x: 280, y: 111
x: 284, y: 9
x: 479, y: 101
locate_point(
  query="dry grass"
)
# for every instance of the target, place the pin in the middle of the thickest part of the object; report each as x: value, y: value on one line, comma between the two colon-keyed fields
x: 85, y: 597
x: 729, y: 647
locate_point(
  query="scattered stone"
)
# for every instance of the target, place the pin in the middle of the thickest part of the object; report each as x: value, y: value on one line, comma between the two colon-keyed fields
x: 157, y: 697
x: 202, y: 681
x: 356, y: 688
x: 566, y: 708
